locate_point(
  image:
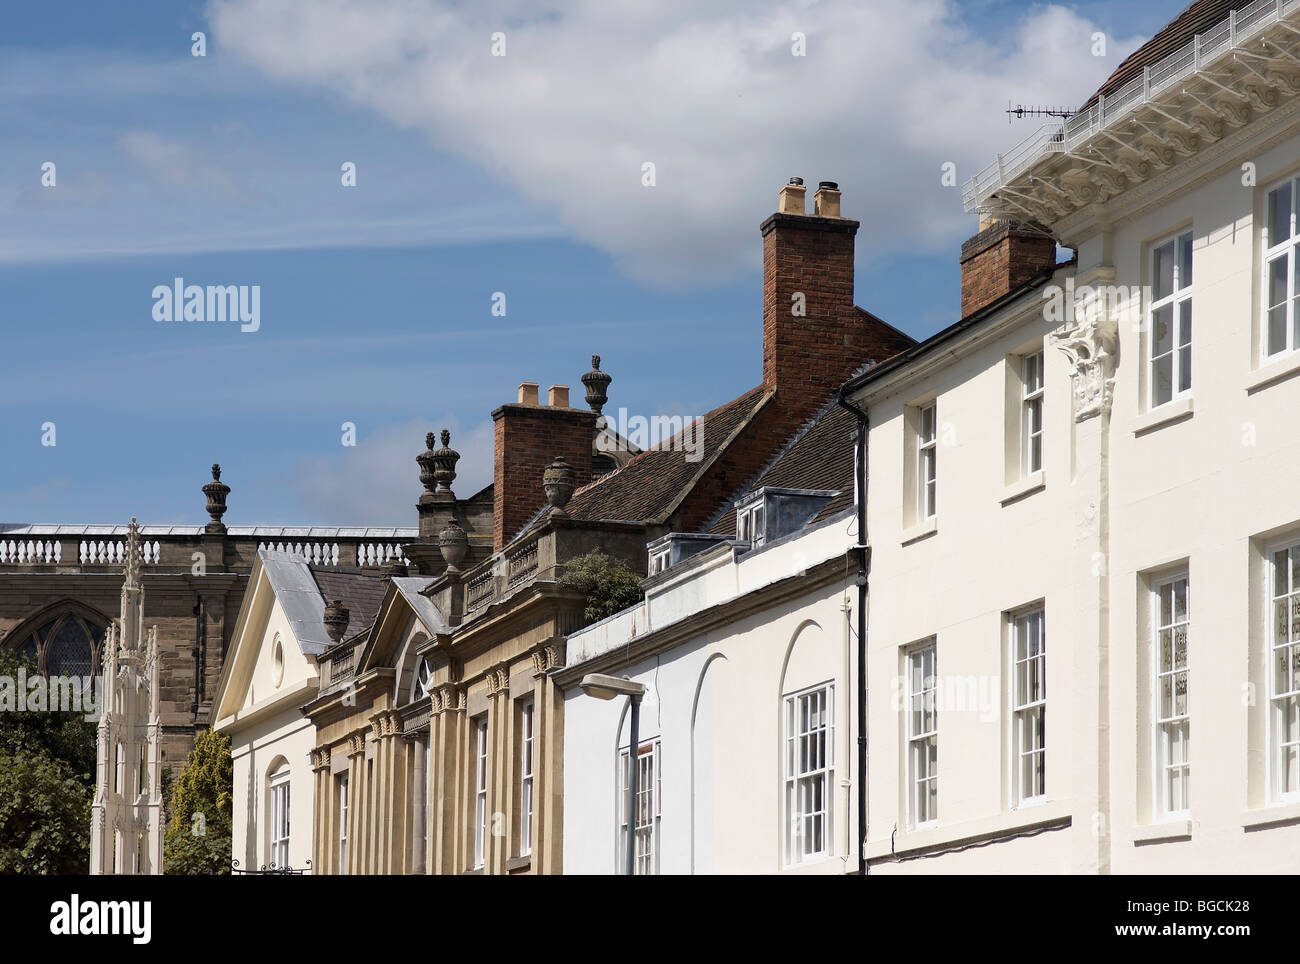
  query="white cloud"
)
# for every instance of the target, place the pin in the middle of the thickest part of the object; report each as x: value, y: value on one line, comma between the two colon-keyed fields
x: 711, y: 94
x: 377, y: 481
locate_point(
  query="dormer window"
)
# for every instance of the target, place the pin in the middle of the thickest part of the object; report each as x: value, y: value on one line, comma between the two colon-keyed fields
x: 749, y: 523
x: 660, y: 559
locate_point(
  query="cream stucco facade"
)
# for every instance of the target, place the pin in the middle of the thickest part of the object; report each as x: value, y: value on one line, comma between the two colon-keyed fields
x: 1136, y: 494
x: 269, y: 674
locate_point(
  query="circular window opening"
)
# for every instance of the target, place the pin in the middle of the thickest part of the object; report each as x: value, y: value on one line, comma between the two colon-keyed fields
x: 277, y: 662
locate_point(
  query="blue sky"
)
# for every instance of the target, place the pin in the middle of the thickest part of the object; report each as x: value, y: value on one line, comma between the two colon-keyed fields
x: 475, y: 175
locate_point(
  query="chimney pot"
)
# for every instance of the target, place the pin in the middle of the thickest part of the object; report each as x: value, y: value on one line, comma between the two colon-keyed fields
x: 528, y: 393
x: 826, y: 202
x: 792, y: 197
x: 558, y: 396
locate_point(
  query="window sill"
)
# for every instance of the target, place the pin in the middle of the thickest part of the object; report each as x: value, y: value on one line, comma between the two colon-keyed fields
x: 1026, y: 486
x: 1262, y: 818
x: 1169, y: 412
x: 1177, y: 829
x: 1042, y: 816
x: 920, y: 531
x: 1273, y: 371
x: 520, y: 863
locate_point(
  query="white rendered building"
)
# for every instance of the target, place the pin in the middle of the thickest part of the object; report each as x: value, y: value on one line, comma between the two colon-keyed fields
x: 1084, y: 632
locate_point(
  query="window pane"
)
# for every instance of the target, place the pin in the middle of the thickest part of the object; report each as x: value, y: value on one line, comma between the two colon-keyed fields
x: 1279, y: 215
x: 1185, y: 260
x: 1162, y: 388
x: 1162, y: 330
x: 1276, y: 303
x: 1164, y: 270
x: 1185, y: 323
x: 70, y: 653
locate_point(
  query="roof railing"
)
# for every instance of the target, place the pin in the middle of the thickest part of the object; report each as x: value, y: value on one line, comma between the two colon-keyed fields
x: 1241, y: 25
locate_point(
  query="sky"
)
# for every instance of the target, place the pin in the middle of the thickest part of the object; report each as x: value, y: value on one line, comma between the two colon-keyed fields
x: 500, y: 151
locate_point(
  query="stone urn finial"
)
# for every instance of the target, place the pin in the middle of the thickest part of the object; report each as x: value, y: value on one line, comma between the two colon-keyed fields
x: 437, y: 467
x: 454, y: 543
x: 444, y: 463
x: 216, y: 491
x: 597, y: 383
x: 336, y: 620
x: 559, y: 481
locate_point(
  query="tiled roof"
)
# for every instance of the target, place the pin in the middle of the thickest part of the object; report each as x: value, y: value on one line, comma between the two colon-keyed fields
x: 820, y: 456
x: 360, y: 594
x: 1197, y: 17
x: 649, y: 486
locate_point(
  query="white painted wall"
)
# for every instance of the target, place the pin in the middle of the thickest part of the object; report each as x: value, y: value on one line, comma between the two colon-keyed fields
x: 983, y: 559
x: 1209, y: 492
x: 714, y: 702
x: 266, y: 727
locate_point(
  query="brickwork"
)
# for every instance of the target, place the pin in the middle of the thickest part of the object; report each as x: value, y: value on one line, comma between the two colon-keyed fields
x: 806, y: 357
x: 1000, y: 259
x: 526, y: 439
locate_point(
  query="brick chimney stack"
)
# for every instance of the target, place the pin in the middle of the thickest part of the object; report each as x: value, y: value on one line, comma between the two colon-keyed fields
x: 1000, y: 258
x: 529, y: 436
x: 814, y: 337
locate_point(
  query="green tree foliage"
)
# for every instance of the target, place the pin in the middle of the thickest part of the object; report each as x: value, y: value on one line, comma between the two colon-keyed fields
x: 609, y: 584
x: 47, y: 778
x: 198, y: 836
x: 44, y: 816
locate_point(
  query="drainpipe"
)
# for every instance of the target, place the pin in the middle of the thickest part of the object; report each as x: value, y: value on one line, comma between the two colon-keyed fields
x: 863, y: 553
x: 198, y: 672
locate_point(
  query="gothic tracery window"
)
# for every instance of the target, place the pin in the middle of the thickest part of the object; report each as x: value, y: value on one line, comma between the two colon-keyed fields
x: 65, y: 645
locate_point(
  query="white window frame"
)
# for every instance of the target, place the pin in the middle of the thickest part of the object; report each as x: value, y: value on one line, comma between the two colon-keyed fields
x: 480, y: 791
x: 343, y: 822
x: 809, y: 774
x: 1284, y: 674
x: 649, y: 808
x: 659, y: 559
x: 1031, y: 413
x: 278, y: 855
x: 1171, y: 724
x: 526, y: 760
x: 1274, y: 251
x: 922, y: 732
x: 1178, y: 300
x: 422, y: 681
x: 1028, y: 707
x: 751, y: 523
x: 927, y: 461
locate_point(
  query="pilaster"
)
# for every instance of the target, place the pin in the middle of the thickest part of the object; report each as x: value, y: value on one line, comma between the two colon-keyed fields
x: 1091, y: 347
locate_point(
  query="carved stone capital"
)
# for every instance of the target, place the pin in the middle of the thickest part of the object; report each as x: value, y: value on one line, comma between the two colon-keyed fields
x: 539, y: 661
x: 1091, y: 345
x: 498, y: 679
x: 548, y: 656
x: 357, y: 744
x: 449, y: 699
x: 320, y: 758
